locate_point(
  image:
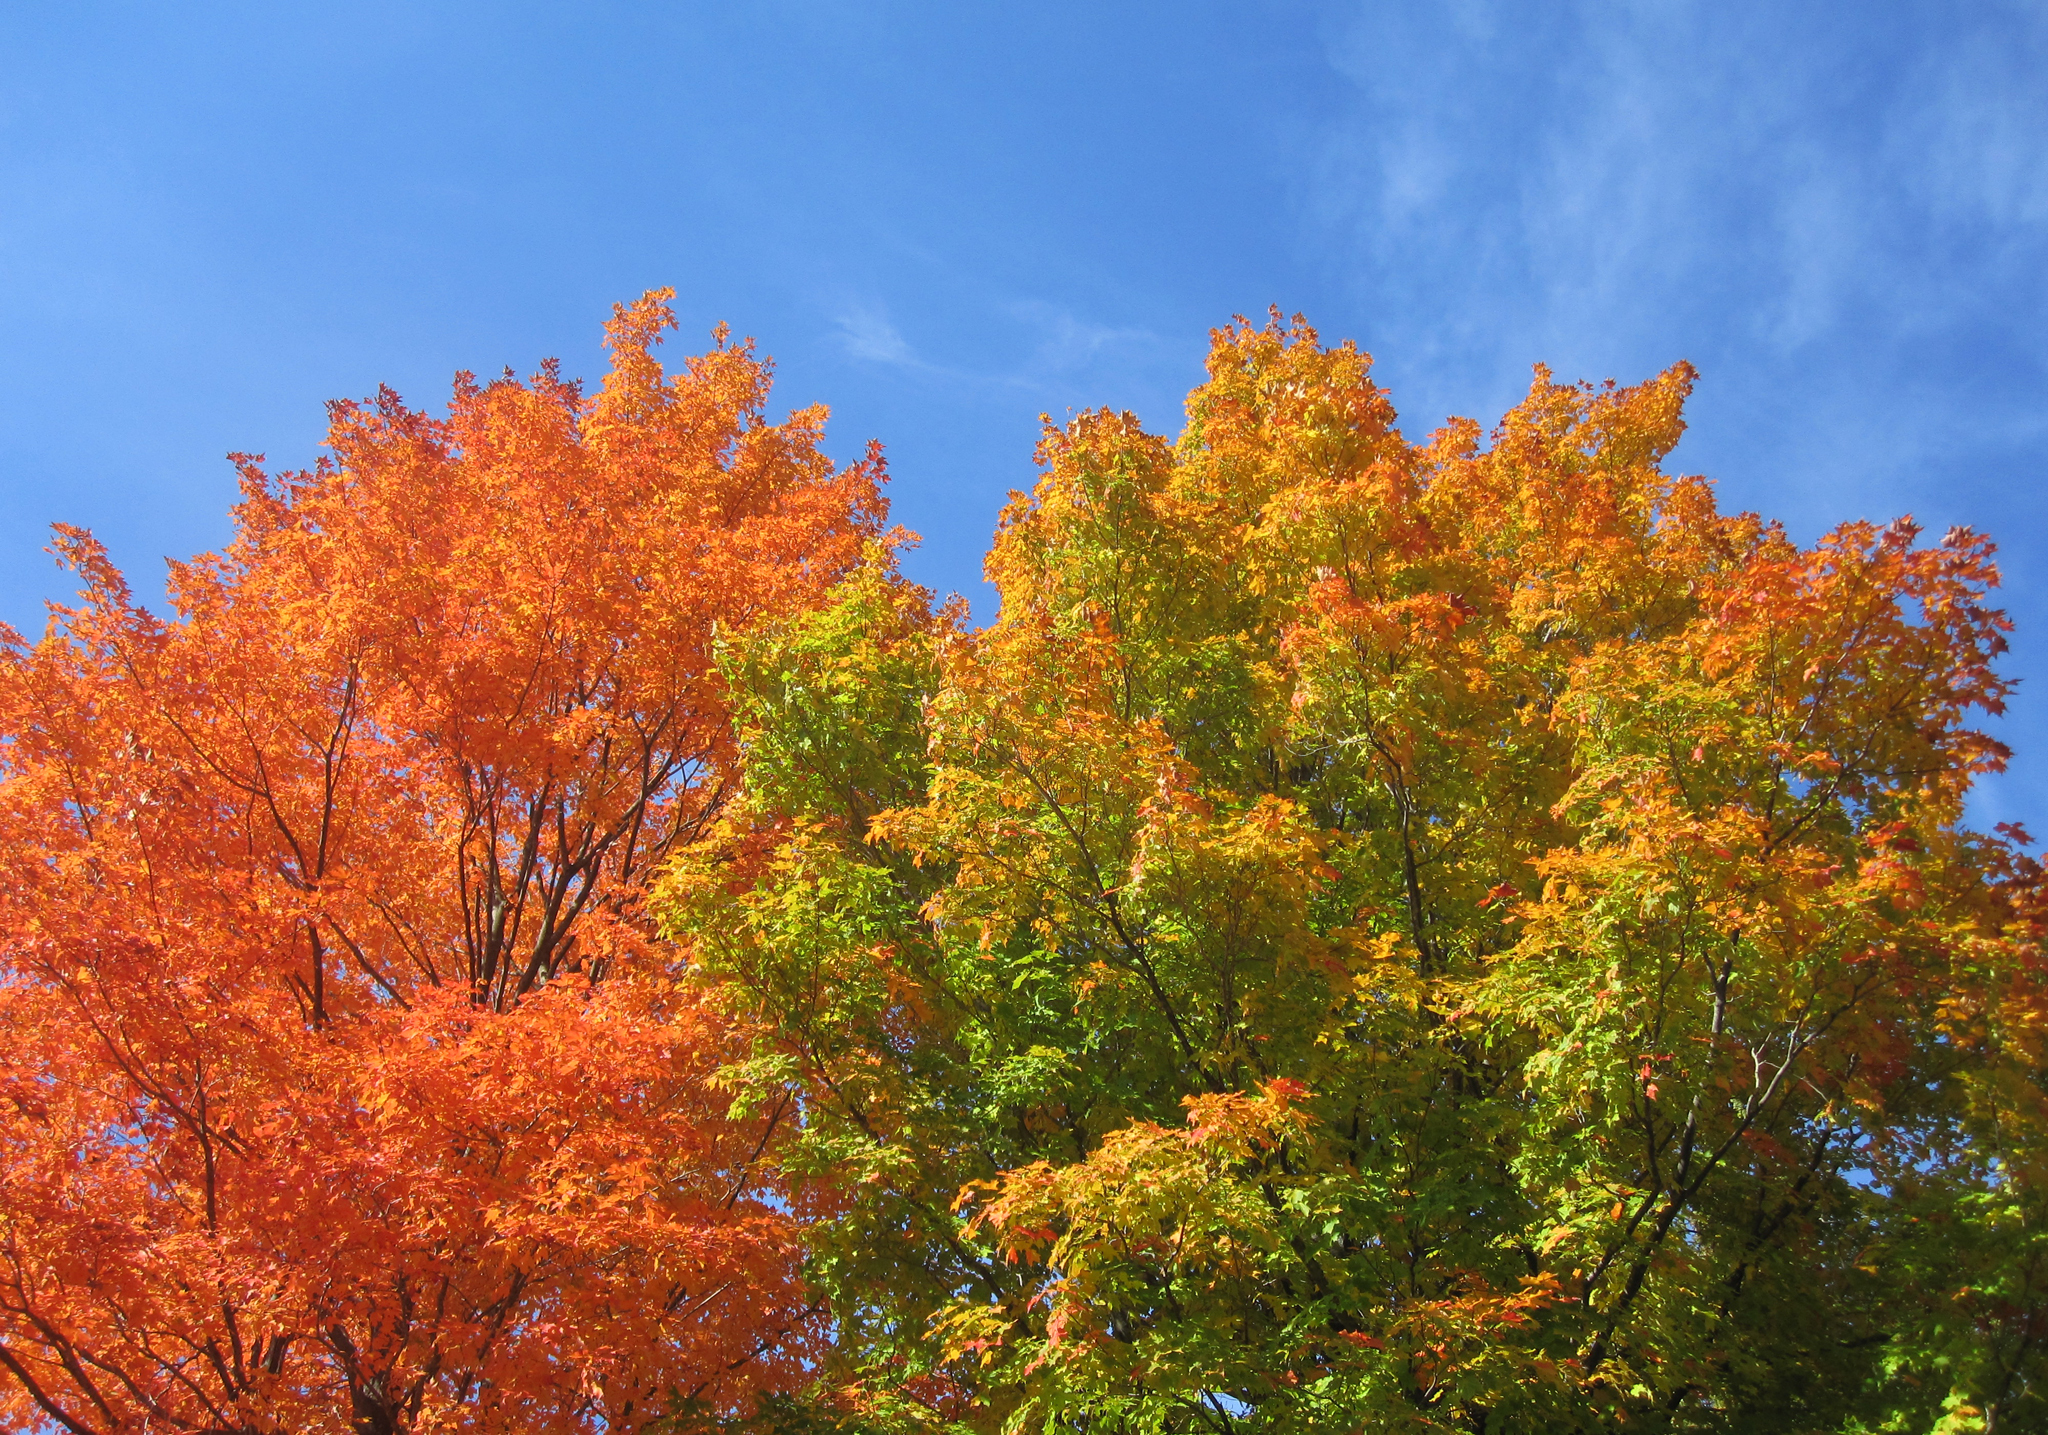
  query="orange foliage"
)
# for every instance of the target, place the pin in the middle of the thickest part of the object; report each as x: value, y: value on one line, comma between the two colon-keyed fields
x: 348, y: 1088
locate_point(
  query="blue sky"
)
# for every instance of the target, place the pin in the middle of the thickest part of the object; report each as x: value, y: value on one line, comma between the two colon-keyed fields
x: 943, y: 219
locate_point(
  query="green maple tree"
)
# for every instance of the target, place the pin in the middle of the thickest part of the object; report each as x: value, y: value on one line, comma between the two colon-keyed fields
x: 1455, y: 935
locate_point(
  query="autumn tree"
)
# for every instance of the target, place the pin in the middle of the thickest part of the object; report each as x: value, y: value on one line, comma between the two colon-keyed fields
x: 348, y: 1087
x: 1456, y: 935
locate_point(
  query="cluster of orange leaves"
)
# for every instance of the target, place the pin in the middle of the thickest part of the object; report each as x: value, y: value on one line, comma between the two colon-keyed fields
x: 347, y: 1085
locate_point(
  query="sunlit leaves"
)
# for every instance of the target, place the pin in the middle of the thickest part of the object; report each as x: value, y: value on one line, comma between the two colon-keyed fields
x: 349, y: 1088
x: 1380, y: 934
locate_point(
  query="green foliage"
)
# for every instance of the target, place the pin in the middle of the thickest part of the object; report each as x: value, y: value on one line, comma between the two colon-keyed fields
x: 1391, y: 936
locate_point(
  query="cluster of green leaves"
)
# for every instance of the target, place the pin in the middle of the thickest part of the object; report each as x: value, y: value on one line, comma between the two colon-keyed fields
x: 1378, y: 935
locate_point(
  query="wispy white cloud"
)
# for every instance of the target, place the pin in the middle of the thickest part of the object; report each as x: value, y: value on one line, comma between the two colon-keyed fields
x: 866, y: 332
x: 1050, y: 345
x: 1612, y: 186
x: 1067, y: 342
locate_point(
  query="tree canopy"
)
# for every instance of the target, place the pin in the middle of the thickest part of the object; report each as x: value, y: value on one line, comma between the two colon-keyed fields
x: 555, y: 932
x: 347, y: 1086
x: 1380, y: 935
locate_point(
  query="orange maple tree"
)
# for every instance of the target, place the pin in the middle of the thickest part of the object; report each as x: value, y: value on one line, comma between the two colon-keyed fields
x: 347, y: 1086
